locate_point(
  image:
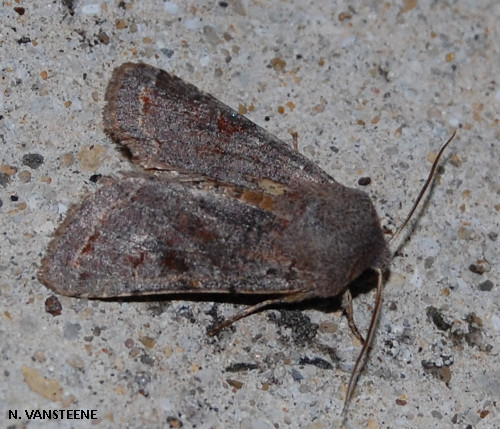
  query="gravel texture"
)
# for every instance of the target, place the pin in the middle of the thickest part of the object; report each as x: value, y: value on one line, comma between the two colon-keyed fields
x: 372, y: 89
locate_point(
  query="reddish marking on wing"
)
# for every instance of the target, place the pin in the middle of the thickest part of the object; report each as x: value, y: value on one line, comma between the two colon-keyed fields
x: 173, y: 261
x: 147, y: 102
x: 84, y: 276
x: 89, y: 247
x: 135, y: 261
x: 206, y: 235
x: 227, y: 126
x: 194, y: 229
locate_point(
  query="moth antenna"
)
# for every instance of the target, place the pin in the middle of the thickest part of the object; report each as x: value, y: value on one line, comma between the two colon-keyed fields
x: 429, y: 180
x: 360, y: 361
x: 358, y: 367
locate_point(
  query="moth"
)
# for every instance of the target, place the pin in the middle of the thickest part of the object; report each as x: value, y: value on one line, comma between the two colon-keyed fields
x: 219, y: 206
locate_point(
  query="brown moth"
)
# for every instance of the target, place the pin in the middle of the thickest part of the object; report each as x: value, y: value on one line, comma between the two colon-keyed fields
x: 246, y: 214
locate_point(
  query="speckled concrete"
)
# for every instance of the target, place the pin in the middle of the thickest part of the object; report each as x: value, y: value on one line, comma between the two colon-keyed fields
x: 373, y: 89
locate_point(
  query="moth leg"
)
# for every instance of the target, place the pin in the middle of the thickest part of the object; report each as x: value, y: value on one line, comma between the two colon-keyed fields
x: 295, y: 141
x: 349, y: 312
x: 288, y: 299
x: 360, y: 361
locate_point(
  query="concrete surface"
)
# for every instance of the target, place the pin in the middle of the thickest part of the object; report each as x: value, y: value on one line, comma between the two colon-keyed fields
x: 373, y: 89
